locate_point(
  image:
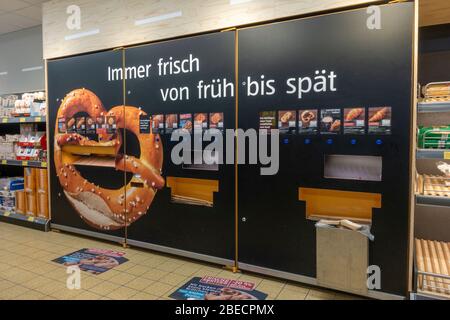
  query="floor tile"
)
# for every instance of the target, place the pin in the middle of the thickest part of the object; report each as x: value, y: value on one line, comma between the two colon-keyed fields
x: 104, y: 288
x: 174, y: 279
x: 139, y: 283
x: 122, y: 278
x: 154, y: 274
x: 13, y: 292
x: 137, y: 270
x: 122, y: 293
x: 27, y: 272
x: 159, y: 289
x: 143, y: 296
x: 287, y: 294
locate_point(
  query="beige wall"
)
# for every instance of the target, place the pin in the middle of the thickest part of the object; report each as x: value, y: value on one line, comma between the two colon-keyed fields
x: 112, y: 23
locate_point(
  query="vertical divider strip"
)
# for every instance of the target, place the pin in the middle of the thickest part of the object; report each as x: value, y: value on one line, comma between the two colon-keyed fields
x: 124, y: 141
x: 236, y: 150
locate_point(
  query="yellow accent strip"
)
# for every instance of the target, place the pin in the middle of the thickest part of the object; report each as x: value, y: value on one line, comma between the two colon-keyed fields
x: 339, y: 204
x: 200, y: 189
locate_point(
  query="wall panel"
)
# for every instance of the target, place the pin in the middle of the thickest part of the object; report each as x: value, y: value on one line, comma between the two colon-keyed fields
x: 114, y: 23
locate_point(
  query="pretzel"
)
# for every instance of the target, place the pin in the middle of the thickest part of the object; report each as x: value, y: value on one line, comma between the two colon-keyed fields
x: 307, y: 116
x: 102, y: 208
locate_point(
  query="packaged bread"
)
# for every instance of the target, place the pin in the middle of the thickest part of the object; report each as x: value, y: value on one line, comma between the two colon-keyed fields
x: 42, y: 205
x: 31, y: 204
x: 20, y: 202
x: 30, y: 180
x: 41, y: 180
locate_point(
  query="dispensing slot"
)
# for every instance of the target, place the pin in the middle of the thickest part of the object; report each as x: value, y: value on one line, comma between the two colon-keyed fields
x: 349, y: 167
x: 337, y: 204
x: 192, y: 191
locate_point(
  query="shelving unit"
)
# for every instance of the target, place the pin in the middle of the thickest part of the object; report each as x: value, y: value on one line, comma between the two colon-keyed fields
x: 11, y: 125
x: 438, y: 154
x: 25, y: 163
x: 426, y: 107
x: 22, y: 220
x: 433, y: 200
x: 432, y: 209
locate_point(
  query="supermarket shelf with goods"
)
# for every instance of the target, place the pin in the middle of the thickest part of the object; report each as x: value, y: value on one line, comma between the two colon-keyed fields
x: 432, y: 216
x: 23, y: 160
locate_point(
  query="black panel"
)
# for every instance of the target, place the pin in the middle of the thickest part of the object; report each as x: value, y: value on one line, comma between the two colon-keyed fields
x: 199, y: 229
x: 89, y: 72
x: 373, y: 68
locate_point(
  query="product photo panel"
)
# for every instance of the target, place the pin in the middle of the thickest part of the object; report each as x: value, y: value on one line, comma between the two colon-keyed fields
x: 339, y: 91
x: 185, y: 86
x: 87, y: 126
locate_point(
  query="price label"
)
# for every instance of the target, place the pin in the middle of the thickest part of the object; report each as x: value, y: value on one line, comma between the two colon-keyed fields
x: 22, y: 120
x: 7, y: 214
x: 37, y: 119
x: 5, y: 120
x: 25, y: 163
x: 4, y: 161
x: 44, y: 164
x: 31, y: 219
x: 447, y: 155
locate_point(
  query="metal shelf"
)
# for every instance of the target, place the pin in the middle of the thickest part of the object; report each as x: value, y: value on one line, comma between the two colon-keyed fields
x: 433, y: 154
x: 20, y: 163
x: 426, y: 107
x: 4, y: 120
x: 433, y: 200
x: 22, y: 220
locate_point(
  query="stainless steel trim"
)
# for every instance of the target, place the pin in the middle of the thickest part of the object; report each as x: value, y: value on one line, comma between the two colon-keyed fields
x: 311, y: 281
x: 88, y: 233
x: 179, y: 252
x: 278, y: 274
x: 384, y: 296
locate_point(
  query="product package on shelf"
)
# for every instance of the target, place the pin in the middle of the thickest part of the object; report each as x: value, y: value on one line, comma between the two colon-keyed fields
x: 433, y: 264
x: 433, y: 185
x: 30, y: 191
x: 437, y: 92
x: 42, y: 193
x: 7, y: 104
x: 31, y: 104
x: 437, y: 137
x: 31, y: 144
x: 9, y: 187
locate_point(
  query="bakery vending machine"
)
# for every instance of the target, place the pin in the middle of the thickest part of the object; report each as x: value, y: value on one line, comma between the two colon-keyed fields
x: 87, y: 134
x: 338, y: 90
x: 185, y: 93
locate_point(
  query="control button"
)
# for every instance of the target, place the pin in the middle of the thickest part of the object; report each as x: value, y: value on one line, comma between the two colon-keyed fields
x: 379, y: 142
x: 307, y: 141
x: 286, y: 141
x: 329, y: 141
x: 353, y: 141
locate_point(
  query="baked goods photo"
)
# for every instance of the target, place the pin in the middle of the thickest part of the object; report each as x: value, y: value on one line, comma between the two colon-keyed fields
x: 286, y: 117
x: 354, y: 114
x: 200, y: 117
x: 307, y: 116
x: 102, y: 207
x: 171, y: 120
x: 336, y: 126
x: 216, y: 118
x: 187, y: 125
x: 380, y: 115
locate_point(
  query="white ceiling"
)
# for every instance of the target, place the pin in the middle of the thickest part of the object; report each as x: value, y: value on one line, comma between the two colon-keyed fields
x: 20, y: 14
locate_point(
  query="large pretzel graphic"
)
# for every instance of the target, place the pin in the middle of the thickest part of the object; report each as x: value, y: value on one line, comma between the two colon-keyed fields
x: 109, y: 209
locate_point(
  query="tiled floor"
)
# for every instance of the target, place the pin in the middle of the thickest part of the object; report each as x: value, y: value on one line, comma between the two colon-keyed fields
x: 26, y: 272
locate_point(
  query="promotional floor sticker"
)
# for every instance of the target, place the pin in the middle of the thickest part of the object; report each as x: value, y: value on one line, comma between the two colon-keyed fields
x: 95, y: 261
x: 212, y: 288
